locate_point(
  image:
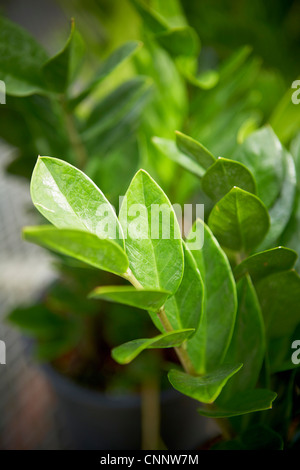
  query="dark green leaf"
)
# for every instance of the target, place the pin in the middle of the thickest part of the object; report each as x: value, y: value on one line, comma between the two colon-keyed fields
x: 260, y: 437
x: 101, y: 253
x: 209, y: 344
x: 281, y: 211
x: 248, y: 341
x: 279, y: 296
x: 239, y: 220
x: 223, y: 175
x: 127, y: 352
x: 242, y: 403
x: 265, y: 263
x: 57, y: 70
x: 21, y: 60
x: 205, y: 388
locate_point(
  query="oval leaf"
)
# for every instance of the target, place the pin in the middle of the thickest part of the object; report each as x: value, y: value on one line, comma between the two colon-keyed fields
x: 153, y: 239
x: 184, y: 308
x: 195, y: 150
x: 69, y: 199
x: 127, y: 352
x: 239, y: 220
x: 140, y: 298
x: 84, y: 246
x: 206, y: 388
x: 223, y: 175
x: 208, y: 346
x: 265, y: 263
x: 243, y: 403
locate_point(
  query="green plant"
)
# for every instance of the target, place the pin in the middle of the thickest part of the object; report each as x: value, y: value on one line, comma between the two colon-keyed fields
x: 231, y: 313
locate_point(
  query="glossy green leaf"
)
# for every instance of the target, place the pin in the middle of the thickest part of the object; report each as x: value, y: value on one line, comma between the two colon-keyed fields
x: 112, y: 62
x: 204, y: 388
x: 184, y: 308
x: 239, y: 220
x: 127, y: 352
x: 69, y: 199
x: 141, y: 298
x: 169, y: 149
x: 279, y: 296
x: 101, y: 253
x: 153, y: 238
x: 248, y: 341
x: 281, y: 211
x: 208, y: 346
x: 223, y: 175
x: 265, y: 263
x: 242, y: 403
x: 21, y: 60
x: 262, y: 154
x: 195, y: 150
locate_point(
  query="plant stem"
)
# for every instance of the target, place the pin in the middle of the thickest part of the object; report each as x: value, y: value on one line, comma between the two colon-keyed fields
x: 74, y: 137
x: 150, y: 414
x: 181, y: 350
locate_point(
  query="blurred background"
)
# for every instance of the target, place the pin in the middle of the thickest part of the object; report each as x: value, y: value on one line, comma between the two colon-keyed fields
x: 234, y: 76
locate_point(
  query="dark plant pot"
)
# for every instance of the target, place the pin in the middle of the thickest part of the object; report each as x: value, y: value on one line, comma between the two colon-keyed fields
x: 96, y: 421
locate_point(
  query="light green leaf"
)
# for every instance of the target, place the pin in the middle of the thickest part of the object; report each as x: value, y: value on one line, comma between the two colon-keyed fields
x: 107, y: 115
x: 265, y: 263
x: 248, y: 341
x: 194, y: 150
x: 169, y: 149
x: 208, y: 346
x: 21, y: 60
x: 282, y: 209
x: 262, y: 154
x: 141, y: 298
x: 69, y: 199
x: 242, y: 403
x: 279, y: 296
x: 184, y: 308
x: 223, y: 175
x: 101, y: 253
x: 205, y: 388
x: 239, y: 220
x: 153, y: 238
x: 127, y: 352
x: 113, y: 61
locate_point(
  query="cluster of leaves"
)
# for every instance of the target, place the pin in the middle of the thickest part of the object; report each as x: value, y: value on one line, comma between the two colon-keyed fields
x: 230, y: 308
